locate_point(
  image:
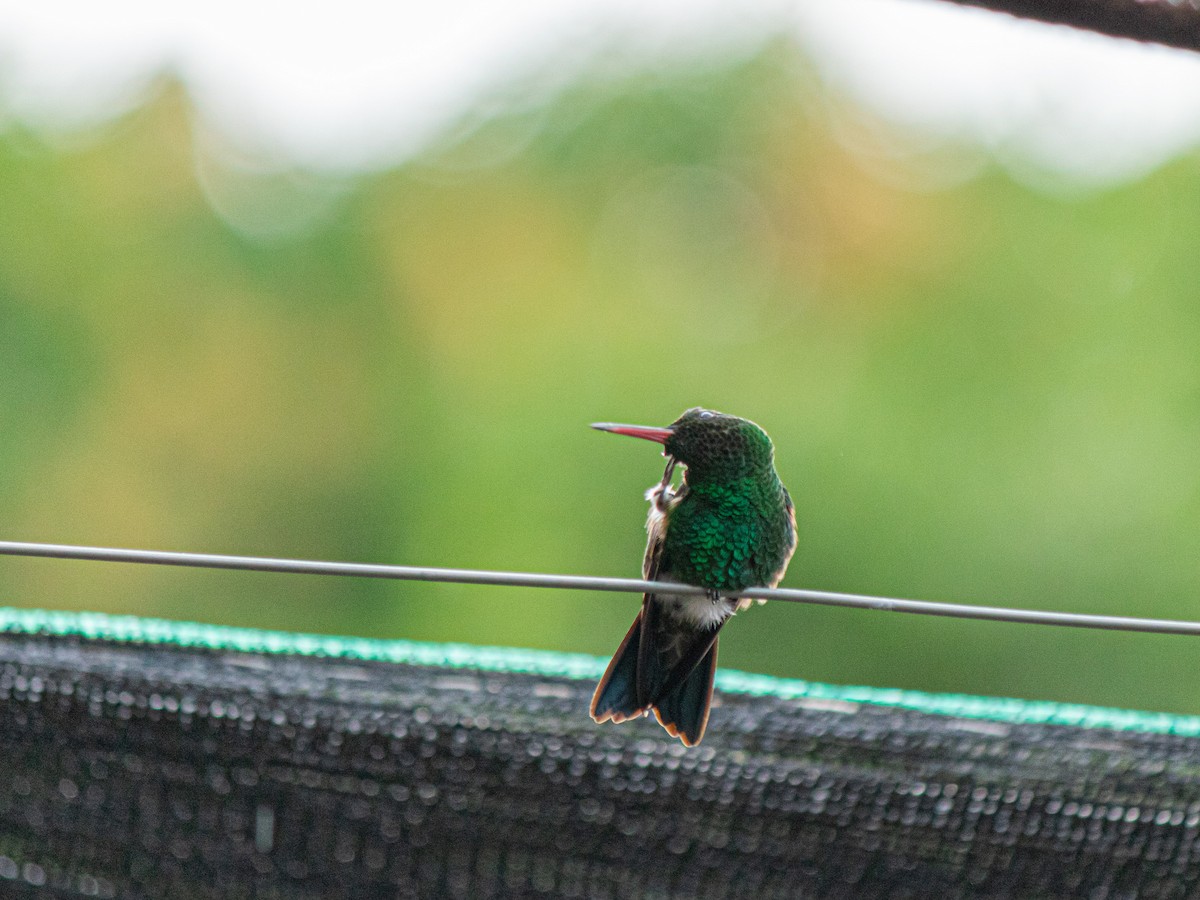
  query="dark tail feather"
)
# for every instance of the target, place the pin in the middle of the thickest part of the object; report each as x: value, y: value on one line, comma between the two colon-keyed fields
x: 616, y: 696
x: 653, y: 669
x: 683, y: 710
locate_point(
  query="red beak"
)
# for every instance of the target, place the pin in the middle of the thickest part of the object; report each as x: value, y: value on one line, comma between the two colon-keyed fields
x: 646, y: 432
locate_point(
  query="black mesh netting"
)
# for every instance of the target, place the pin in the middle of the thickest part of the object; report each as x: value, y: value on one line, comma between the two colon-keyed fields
x: 151, y: 771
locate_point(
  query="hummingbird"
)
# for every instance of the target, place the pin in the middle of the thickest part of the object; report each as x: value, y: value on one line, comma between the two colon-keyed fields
x: 730, y: 525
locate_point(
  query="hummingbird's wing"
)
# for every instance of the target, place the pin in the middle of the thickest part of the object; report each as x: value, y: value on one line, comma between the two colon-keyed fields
x: 662, y: 499
x: 621, y: 693
x: 647, y: 656
x: 668, y: 648
x: 792, y: 538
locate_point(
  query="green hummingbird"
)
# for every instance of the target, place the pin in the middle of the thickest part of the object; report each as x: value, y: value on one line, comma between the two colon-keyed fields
x: 731, y: 525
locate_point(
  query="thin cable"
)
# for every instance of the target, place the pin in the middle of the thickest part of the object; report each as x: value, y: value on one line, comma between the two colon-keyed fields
x: 588, y: 583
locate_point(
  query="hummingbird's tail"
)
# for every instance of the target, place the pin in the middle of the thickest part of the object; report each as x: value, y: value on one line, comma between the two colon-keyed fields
x: 684, y: 711
x: 642, y: 677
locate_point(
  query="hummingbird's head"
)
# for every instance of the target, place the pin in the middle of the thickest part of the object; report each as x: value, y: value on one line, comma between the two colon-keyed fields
x: 710, y: 444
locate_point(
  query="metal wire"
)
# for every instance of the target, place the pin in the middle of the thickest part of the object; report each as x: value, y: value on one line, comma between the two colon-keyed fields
x: 588, y: 583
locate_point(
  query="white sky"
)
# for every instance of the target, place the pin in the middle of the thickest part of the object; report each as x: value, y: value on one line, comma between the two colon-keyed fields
x: 364, y: 82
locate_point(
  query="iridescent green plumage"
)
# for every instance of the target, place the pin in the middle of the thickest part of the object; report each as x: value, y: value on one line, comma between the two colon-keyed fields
x: 731, y: 525
x: 729, y: 535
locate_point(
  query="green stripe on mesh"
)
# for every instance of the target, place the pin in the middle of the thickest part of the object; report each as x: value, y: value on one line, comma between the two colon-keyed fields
x: 100, y: 626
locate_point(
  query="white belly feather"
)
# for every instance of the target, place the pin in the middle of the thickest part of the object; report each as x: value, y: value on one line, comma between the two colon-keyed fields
x: 697, y: 612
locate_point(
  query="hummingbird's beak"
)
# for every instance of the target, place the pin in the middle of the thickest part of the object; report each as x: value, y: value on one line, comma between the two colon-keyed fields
x: 646, y: 432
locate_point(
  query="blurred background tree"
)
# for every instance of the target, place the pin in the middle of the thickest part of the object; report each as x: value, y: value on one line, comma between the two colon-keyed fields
x: 980, y: 390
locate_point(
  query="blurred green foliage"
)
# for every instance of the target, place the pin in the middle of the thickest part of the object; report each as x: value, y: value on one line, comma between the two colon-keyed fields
x: 979, y: 391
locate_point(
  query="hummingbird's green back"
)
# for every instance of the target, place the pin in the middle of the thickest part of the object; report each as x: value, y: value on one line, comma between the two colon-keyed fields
x: 734, y: 526
x: 730, y: 535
